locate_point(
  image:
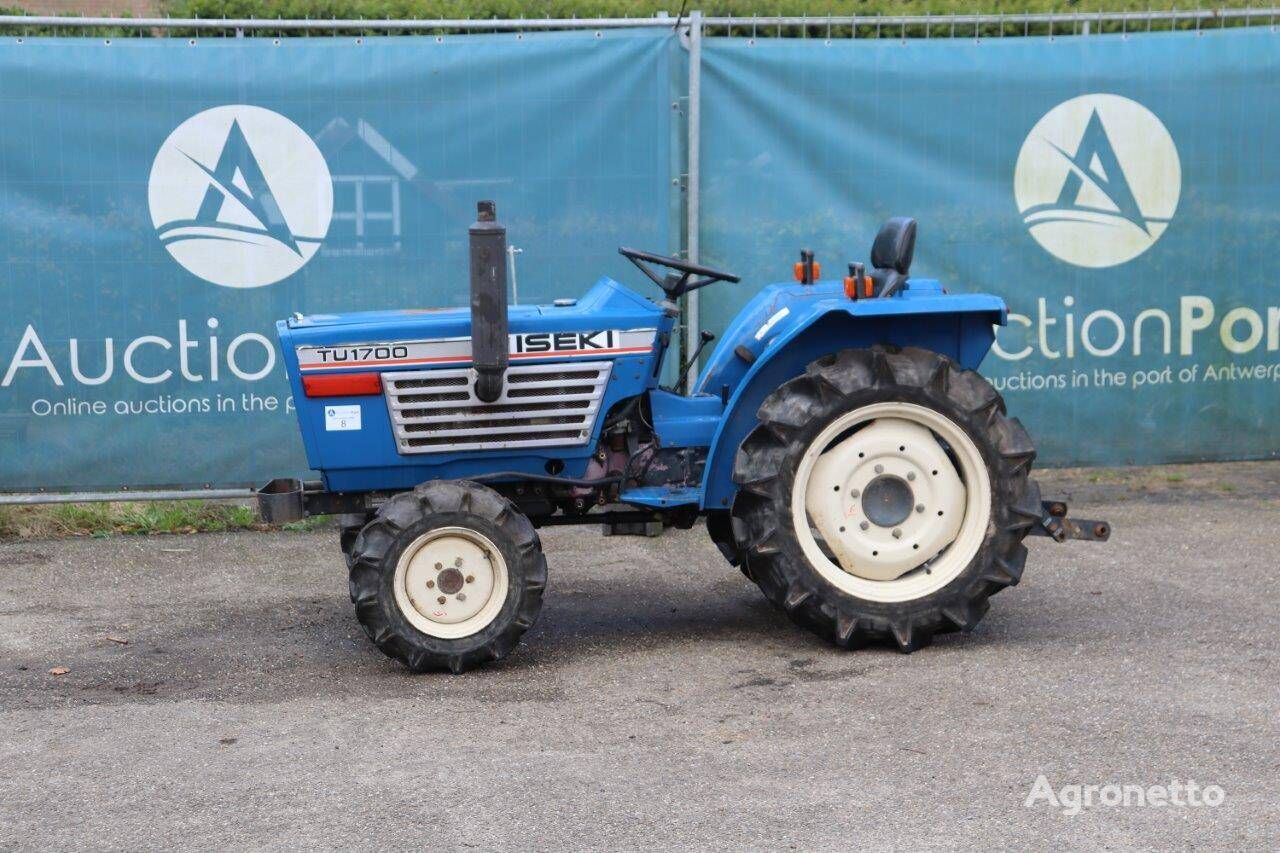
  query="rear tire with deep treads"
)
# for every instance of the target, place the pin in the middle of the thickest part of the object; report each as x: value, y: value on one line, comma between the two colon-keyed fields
x: 794, y: 416
x: 409, y: 518
x: 720, y: 529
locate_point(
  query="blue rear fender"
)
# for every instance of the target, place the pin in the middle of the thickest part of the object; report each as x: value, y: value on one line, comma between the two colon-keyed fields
x: 787, y: 326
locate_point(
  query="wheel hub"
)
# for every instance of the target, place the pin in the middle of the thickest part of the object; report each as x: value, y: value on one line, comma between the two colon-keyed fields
x: 451, y: 582
x: 887, y: 500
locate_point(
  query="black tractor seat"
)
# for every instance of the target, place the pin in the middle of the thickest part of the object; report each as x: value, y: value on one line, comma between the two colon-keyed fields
x: 891, y: 255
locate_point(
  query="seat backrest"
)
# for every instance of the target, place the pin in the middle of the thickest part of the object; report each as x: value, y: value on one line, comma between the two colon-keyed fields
x: 891, y: 254
x: 895, y: 245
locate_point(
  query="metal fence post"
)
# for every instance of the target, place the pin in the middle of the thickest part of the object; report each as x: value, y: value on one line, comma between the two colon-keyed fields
x: 692, y: 322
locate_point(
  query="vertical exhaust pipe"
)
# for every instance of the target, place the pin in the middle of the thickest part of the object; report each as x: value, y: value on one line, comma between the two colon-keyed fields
x: 488, y: 302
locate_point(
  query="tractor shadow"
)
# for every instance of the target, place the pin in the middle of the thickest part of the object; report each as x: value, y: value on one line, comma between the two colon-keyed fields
x: 310, y: 646
x: 609, y: 616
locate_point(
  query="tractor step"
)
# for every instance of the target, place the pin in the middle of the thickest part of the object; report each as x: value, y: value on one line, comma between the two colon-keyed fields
x: 1055, y: 524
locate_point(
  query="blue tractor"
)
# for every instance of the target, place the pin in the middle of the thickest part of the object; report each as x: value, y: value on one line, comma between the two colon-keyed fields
x: 838, y: 442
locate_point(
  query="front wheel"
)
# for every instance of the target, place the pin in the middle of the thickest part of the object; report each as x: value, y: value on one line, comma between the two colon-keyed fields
x: 884, y: 496
x: 447, y: 576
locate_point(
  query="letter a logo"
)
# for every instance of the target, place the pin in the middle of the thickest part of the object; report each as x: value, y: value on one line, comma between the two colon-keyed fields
x: 1097, y: 180
x: 240, y: 196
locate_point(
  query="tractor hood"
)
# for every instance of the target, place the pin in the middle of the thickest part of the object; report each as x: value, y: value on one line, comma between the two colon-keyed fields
x: 607, y: 304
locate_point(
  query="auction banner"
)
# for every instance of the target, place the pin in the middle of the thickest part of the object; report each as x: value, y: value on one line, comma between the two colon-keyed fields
x: 1122, y: 193
x: 164, y: 201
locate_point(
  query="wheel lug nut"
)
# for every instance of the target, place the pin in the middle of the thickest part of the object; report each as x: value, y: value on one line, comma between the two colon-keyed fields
x: 911, y: 475
x: 866, y: 525
x: 897, y: 533
x: 919, y: 507
x: 472, y: 578
x: 462, y: 596
x: 855, y: 493
x: 879, y: 469
x: 458, y: 562
x: 441, y: 599
x: 439, y: 566
x: 431, y: 584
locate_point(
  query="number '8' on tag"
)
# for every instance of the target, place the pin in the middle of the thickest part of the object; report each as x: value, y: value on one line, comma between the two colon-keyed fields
x: 341, y: 418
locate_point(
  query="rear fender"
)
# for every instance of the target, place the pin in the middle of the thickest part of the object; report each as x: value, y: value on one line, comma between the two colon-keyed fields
x: 961, y: 326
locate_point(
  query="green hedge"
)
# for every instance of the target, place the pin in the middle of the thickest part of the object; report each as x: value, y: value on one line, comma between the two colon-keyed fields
x: 378, y: 9
x: 623, y: 8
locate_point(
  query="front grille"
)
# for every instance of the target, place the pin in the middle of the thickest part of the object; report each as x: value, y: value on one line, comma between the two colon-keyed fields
x: 520, y: 379
x: 436, y: 411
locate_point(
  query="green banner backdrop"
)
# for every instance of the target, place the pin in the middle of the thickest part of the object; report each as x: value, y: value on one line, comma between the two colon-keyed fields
x: 1122, y: 193
x: 163, y: 202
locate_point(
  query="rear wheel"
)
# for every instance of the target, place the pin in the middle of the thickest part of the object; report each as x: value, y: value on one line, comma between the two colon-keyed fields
x: 884, y: 497
x: 448, y: 576
x: 720, y: 528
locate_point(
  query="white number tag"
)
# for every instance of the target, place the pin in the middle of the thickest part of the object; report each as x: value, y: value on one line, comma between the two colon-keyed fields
x: 341, y: 418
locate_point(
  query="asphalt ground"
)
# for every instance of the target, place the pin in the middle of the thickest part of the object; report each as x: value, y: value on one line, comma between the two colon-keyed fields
x: 219, y: 694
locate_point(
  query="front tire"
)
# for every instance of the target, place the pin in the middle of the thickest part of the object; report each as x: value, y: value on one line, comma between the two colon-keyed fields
x: 349, y: 527
x: 448, y: 576
x: 884, y: 497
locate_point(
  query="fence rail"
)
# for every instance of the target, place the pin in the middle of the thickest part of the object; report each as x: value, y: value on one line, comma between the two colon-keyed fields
x: 388, y: 25
x: 32, y: 498
x: 857, y: 25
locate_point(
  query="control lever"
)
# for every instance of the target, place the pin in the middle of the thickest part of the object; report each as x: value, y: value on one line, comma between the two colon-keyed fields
x: 704, y: 338
x: 857, y: 285
x: 807, y: 271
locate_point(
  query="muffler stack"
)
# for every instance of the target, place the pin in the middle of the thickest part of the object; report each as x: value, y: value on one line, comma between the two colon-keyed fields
x: 488, y: 302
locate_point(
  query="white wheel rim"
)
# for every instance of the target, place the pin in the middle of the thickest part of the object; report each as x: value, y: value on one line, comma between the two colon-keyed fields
x: 451, y: 582
x: 901, y: 516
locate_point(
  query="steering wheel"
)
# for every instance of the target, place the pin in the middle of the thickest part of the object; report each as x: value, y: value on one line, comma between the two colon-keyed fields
x: 692, y: 276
